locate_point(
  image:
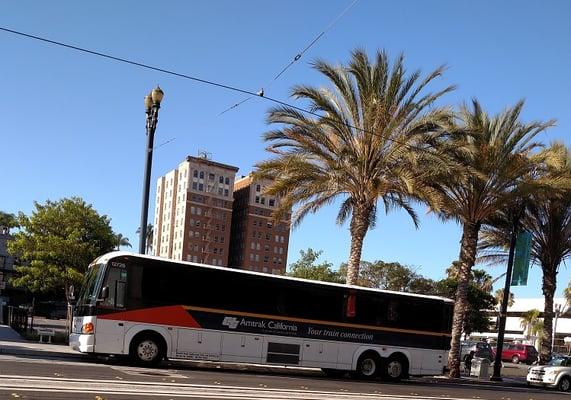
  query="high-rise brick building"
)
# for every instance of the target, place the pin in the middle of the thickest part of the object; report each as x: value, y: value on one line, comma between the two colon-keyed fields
x: 257, y: 242
x: 193, y: 212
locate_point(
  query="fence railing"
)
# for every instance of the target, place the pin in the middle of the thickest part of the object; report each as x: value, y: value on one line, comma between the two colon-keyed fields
x: 18, y: 318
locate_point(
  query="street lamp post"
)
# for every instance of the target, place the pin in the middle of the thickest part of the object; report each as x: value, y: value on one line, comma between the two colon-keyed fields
x: 152, y: 105
x: 558, y: 310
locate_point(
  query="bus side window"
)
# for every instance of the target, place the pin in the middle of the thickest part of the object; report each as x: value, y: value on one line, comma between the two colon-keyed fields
x: 351, y: 310
x: 120, y: 294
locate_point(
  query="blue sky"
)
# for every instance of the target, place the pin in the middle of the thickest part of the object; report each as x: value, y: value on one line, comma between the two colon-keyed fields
x: 74, y: 124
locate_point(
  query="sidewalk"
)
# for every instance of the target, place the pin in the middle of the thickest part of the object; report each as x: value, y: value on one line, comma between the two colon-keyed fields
x: 13, y: 344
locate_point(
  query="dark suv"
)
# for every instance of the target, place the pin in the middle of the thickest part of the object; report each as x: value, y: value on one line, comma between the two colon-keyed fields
x: 480, y: 349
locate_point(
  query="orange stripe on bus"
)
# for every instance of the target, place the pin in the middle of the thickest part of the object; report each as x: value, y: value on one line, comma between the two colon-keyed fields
x: 170, y: 315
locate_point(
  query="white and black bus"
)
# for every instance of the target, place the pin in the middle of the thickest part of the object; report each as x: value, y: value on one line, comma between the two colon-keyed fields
x: 151, y: 308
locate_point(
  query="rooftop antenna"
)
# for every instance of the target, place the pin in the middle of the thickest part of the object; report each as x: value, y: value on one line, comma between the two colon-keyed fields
x: 204, y: 154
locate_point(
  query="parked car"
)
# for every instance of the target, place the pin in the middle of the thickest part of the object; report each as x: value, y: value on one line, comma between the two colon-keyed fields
x: 556, y: 374
x: 480, y: 349
x: 517, y: 353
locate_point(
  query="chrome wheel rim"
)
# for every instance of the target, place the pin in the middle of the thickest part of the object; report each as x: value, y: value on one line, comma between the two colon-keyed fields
x: 565, y: 384
x: 368, y: 367
x: 394, y: 369
x: 147, y: 350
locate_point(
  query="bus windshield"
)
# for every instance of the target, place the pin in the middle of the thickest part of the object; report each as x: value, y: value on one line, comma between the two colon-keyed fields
x: 88, y: 293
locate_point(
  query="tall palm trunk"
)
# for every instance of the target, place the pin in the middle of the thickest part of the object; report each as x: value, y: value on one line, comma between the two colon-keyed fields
x: 548, y: 287
x: 360, y: 222
x: 467, y: 259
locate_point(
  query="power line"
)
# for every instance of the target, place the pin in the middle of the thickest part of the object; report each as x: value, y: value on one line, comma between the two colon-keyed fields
x: 296, y: 58
x: 193, y: 78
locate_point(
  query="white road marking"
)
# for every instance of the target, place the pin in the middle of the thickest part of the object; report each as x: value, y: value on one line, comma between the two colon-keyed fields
x: 101, y: 387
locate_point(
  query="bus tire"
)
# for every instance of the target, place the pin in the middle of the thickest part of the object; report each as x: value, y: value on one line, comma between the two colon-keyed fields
x: 395, y: 368
x: 368, y: 365
x: 147, y: 349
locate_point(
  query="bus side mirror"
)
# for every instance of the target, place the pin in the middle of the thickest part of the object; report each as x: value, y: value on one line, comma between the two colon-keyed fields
x: 105, y: 292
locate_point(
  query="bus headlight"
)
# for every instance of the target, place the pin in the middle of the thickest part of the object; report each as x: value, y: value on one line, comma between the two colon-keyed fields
x: 87, y: 328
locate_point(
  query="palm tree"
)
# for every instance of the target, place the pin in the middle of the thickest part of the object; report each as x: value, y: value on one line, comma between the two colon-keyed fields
x: 547, y: 217
x: 531, y: 323
x: 494, y: 152
x: 499, y: 295
x: 7, y: 222
x: 368, y: 138
x: 149, y: 240
x: 122, y: 241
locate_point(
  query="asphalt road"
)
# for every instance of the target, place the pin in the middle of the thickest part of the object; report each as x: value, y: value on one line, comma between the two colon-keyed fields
x: 24, y: 377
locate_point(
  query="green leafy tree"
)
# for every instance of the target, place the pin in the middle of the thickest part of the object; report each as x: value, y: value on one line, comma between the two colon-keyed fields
x: 369, y: 140
x: 391, y: 276
x: 547, y: 217
x: 480, y: 301
x: 307, y: 268
x: 121, y: 240
x: 7, y: 221
x: 567, y: 294
x: 56, y: 244
x: 494, y: 153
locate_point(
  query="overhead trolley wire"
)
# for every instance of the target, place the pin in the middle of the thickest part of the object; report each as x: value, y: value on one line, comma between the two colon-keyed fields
x: 294, y: 60
x: 193, y: 78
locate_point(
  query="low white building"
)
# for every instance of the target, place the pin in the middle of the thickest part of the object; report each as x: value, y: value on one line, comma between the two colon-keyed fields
x: 515, y: 330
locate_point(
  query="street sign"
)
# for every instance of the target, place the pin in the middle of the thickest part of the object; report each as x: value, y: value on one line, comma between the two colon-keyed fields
x: 521, y: 259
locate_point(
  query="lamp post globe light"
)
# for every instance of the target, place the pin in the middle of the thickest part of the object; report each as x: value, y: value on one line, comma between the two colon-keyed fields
x: 152, y: 105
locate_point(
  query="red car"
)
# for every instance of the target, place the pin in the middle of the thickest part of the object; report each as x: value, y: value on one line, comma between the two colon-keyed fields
x: 517, y: 353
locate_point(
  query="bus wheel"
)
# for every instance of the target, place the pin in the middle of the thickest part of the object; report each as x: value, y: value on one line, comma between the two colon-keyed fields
x: 368, y: 365
x: 147, y: 350
x: 395, y: 368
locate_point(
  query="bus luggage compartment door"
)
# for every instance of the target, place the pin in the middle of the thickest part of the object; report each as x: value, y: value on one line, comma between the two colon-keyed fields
x: 240, y: 347
x: 198, y: 344
x: 319, y: 353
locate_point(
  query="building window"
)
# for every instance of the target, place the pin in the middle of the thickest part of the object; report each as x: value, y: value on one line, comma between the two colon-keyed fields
x: 257, y: 200
x: 268, y: 236
x: 226, y: 192
x: 211, y: 177
x: 227, y: 180
x: 266, y: 259
x: 251, y: 256
x: 257, y: 257
x: 195, y: 173
x: 221, y: 179
x: 252, y: 245
x: 258, y: 188
x: 220, y: 191
x: 269, y: 225
x: 266, y: 248
x: 272, y: 202
x: 200, y: 187
x: 201, y: 174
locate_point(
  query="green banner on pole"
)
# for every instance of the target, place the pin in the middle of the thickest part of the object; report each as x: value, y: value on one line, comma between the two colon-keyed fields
x: 521, y: 259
